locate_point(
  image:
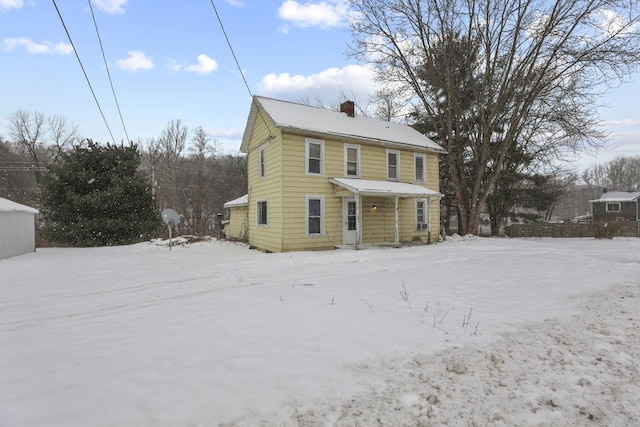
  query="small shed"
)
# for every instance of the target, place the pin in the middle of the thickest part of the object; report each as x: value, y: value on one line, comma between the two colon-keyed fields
x: 616, y: 206
x: 17, y: 229
x: 236, y: 227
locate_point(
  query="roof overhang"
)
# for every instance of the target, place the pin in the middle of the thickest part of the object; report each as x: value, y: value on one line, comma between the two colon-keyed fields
x: 367, y: 187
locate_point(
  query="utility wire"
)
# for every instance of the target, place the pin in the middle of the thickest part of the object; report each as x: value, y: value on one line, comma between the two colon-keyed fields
x: 84, y: 72
x: 106, y: 66
x: 235, y: 58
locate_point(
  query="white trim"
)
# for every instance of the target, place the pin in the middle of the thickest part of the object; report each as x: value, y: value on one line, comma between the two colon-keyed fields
x: 307, y: 142
x: 607, y: 210
x: 307, y: 198
x: 258, y: 224
x: 424, y: 167
x: 397, y: 165
x: 358, y: 164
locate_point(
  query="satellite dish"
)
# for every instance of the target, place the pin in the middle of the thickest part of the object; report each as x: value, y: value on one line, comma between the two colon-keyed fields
x: 170, y: 217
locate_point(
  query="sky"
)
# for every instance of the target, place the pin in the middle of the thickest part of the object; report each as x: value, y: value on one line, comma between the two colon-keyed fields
x: 170, y: 60
x: 213, y: 333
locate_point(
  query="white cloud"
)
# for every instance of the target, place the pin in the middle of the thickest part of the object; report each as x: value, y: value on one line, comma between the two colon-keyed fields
x: 612, y: 23
x: 236, y: 3
x: 328, y: 85
x: 45, y: 47
x: 623, y: 122
x: 136, y: 61
x: 110, y: 6
x: 10, y: 4
x: 325, y: 14
x: 204, y: 66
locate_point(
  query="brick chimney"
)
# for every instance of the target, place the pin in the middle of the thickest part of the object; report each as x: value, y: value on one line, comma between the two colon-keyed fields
x: 348, y: 107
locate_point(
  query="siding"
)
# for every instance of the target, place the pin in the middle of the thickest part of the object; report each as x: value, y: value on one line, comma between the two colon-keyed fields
x: 17, y: 233
x: 237, y: 227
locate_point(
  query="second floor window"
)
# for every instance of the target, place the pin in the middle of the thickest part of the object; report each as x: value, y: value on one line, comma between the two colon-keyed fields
x: 393, y: 165
x: 352, y: 161
x: 261, y: 162
x: 314, y: 157
x: 419, y: 161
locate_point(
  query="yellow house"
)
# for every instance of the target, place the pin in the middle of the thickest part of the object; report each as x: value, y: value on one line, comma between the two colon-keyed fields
x: 321, y: 179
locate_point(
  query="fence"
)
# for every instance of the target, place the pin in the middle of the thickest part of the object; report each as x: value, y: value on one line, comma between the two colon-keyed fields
x: 606, y: 230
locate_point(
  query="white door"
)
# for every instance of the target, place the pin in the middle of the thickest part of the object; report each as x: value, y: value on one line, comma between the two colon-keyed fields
x: 349, y: 221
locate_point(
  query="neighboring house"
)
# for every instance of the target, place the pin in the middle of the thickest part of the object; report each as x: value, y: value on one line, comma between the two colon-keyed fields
x: 17, y: 229
x: 320, y: 179
x: 616, y: 206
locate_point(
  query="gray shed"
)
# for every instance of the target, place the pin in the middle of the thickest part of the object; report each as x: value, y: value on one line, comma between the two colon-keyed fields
x: 17, y: 229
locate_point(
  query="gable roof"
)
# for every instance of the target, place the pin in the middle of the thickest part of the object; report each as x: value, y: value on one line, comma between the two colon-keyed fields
x: 297, y: 118
x: 9, y: 206
x: 618, y: 196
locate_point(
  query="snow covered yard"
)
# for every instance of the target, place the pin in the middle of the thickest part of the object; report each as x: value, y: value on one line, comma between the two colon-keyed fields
x: 467, y: 332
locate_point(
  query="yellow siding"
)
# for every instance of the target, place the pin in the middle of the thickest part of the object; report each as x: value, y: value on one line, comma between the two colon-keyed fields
x: 237, y: 227
x: 285, y: 187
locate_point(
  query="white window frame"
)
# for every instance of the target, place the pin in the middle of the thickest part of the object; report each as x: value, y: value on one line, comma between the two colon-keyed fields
x: 307, y: 198
x: 421, y: 225
x: 613, y: 205
x: 258, y: 223
x: 346, y: 160
x: 397, y: 177
x: 262, y: 160
x: 417, y: 156
x: 308, y: 142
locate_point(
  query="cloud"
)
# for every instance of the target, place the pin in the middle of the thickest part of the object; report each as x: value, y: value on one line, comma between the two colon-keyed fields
x: 624, y: 122
x: 236, y: 3
x: 45, y: 47
x: 227, y: 133
x: 613, y: 24
x: 325, y: 14
x: 136, y: 61
x: 10, y: 4
x: 205, y: 65
x: 329, y: 84
x: 110, y: 6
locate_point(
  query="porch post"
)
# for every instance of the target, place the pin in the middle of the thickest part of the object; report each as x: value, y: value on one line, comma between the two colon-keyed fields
x: 397, y: 235
x: 358, y: 222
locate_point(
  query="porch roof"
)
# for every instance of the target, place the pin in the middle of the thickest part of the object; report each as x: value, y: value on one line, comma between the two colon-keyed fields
x: 368, y: 187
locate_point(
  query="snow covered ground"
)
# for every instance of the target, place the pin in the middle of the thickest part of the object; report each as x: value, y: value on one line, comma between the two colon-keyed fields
x: 469, y: 332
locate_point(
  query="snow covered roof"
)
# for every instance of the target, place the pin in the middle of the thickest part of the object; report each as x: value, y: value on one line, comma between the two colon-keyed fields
x: 618, y: 196
x: 367, y: 187
x: 299, y: 118
x: 9, y: 206
x: 240, y: 201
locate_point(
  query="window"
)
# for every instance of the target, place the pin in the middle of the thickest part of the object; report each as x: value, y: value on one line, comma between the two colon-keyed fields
x: 315, y: 156
x: 613, y: 207
x: 421, y: 214
x: 261, y: 160
x: 419, y: 161
x: 352, y: 161
x: 315, y: 217
x: 393, y: 165
x: 261, y: 213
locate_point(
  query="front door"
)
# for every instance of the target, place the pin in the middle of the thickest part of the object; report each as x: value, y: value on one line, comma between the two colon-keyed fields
x: 349, y: 221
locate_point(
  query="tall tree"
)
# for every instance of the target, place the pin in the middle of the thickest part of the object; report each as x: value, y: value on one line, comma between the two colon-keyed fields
x: 94, y: 196
x: 490, y: 74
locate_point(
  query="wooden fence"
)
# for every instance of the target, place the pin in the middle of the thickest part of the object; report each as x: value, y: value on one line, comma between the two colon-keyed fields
x: 604, y: 230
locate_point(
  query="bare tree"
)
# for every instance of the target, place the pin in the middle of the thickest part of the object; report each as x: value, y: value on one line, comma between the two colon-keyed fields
x: 489, y: 74
x: 43, y: 138
x: 620, y: 174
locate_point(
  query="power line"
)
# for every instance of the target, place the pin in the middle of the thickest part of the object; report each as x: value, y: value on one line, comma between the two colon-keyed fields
x: 83, y: 71
x: 235, y: 58
x: 106, y: 66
